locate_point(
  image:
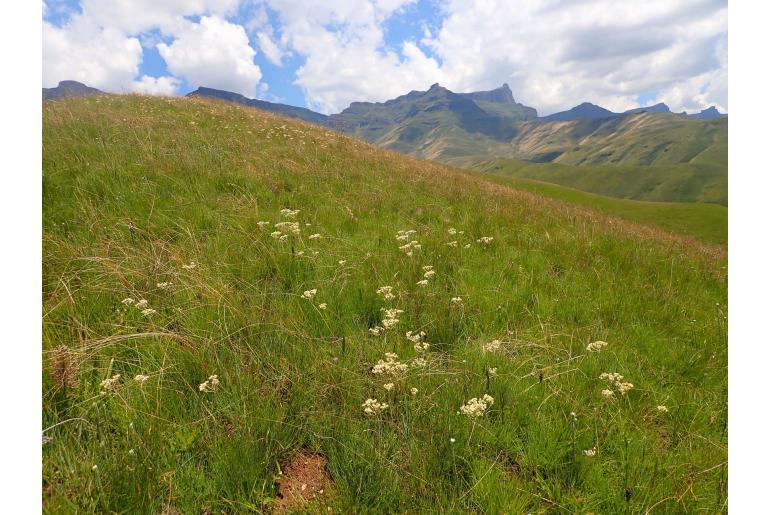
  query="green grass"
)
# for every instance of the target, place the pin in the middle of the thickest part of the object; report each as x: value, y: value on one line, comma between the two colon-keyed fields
x: 136, y: 189
x: 707, y: 222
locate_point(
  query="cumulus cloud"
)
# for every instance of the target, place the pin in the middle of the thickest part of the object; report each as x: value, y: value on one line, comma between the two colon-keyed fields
x: 160, y: 86
x: 268, y: 47
x: 555, y: 54
x: 101, y: 57
x: 214, y: 53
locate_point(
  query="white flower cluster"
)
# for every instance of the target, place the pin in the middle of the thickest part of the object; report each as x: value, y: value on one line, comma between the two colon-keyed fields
x: 309, y: 294
x: 164, y: 285
x: 457, y: 301
x: 373, y: 407
x: 389, y: 386
x: 405, y: 235
x: 190, y: 266
x: 288, y: 227
x: 410, y: 247
x: 111, y: 385
x: 210, y: 384
x: 477, y: 407
x: 386, y: 292
x: 616, y: 379
x: 485, y: 240
x: 662, y: 409
x: 420, y: 345
x: 590, y: 452
x: 389, y: 320
x: 493, y: 346
x: 390, y: 365
x: 376, y: 330
x: 314, y: 236
x: 141, y: 378
x: 262, y: 224
x: 452, y: 244
x: 596, y: 346
x: 289, y: 213
x: 142, y: 305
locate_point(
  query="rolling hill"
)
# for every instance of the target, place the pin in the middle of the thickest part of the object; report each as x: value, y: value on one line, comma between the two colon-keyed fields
x: 244, y: 312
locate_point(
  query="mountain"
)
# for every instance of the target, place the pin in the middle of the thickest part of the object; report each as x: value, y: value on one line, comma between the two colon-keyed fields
x: 68, y: 88
x: 584, y: 111
x: 500, y: 102
x: 209, y: 303
x: 283, y: 109
x: 657, y: 108
x: 709, y: 113
x: 426, y: 123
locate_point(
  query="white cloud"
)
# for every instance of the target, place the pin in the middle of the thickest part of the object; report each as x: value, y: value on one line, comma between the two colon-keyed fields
x: 134, y: 16
x: 104, y: 58
x: 273, y: 53
x: 557, y: 54
x: 159, y: 86
x: 213, y: 53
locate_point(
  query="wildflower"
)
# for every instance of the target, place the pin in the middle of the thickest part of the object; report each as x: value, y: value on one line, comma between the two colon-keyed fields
x: 613, y: 377
x: 404, y: 235
x: 452, y: 231
x: 415, y: 337
x: 428, y: 274
x: 210, y: 384
x: 148, y: 311
x: 127, y: 301
x: 390, y: 319
x: 141, y: 378
x: 386, y: 292
x: 388, y: 386
x: 493, y: 346
x: 608, y: 394
x: 341, y: 262
x: 309, y: 294
x: 276, y: 234
x: 486, y: 240
x: 492, y: 372
x: 623, y: 388
x: 141, y: 304
x: 457, y: 301
x: 590, y: 452
x: 288, y: 227
x: 289, y: 213
x: 452, y: 440
x: 419, y: 362
x: 452, y: 244
x: 283, y: 238
x: 426, y: 268
x: 596, y: 346
x: 111, y: 385
x: 467, y: 246
x: 373, y: 407
x: 413, y: 391
x: 314, y: 236
x: 390, y: 365
x: 574, y: 416
x: 376, y: 330
x: 423, y: 283
x: 164, y: 285
x: 300, y: 253
x: 263, y: 224
x: 322, y: 305
x: 475, y: 408
x: 190, y: 266
x: 662, y: 409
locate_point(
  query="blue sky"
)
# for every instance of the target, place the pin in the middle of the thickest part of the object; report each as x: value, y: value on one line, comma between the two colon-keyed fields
x: 325, y: 54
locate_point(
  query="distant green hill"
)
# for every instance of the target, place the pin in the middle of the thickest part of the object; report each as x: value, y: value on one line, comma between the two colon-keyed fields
x: 686, y: 182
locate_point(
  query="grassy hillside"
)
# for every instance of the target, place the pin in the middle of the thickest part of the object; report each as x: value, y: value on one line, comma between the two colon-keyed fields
x: 205, y: 351
x: 707, y: 222
x: 687, y: 182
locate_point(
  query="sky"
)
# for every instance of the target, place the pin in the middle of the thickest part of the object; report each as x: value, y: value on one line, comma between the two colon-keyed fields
x: 325, y: 54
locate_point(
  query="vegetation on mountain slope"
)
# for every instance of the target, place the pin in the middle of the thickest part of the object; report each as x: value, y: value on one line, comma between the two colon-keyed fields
x: 213, y: 277
x: 689, y: 182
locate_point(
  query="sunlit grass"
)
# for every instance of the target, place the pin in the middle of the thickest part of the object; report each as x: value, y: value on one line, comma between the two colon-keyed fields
x: 160, y: 201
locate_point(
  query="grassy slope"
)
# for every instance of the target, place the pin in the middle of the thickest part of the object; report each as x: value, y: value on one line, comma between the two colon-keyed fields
x: 707, y: 222
x: 137, y: 188
x: 686, y: 182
